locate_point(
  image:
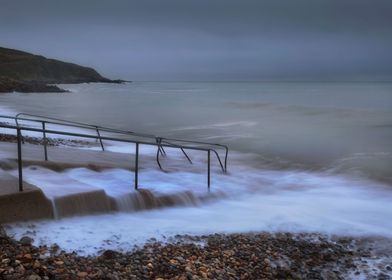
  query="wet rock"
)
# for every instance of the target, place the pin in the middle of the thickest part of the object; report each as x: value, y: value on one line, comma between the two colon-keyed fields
x: 383, y: 276
x: 3, y: 234
x: 25, y: 240
x: 236, y: 256
x: 82, y: 274
x: 330, y: 275
x: 34, y: 277
x: 109, y: 254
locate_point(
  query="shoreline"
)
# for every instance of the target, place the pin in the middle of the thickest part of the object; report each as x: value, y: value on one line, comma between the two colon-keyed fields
x: 238, y: 256
x: 54, y: 142
x: 216, y: 256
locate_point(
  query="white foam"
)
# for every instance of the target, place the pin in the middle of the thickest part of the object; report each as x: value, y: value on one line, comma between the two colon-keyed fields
x: 220, y: 125
x: 257, y: 200
x: 53, y: 184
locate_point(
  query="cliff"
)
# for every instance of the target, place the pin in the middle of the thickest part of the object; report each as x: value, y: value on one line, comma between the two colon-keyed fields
x: 11, y: 85
x: 29, y: 72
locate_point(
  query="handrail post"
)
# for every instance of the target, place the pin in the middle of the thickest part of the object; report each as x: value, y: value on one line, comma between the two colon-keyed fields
x: 17, y: 124
x: 20, y: 172
x: 136, y: 166
x: 227, y: 152
x: 160, y: 142
x: 100, y: 140
x: 45, y: 141
x: 209, y: 169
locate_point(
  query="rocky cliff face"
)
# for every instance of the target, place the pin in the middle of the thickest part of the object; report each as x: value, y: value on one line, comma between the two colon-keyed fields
x: 11, y: 85
x: 31, y: 72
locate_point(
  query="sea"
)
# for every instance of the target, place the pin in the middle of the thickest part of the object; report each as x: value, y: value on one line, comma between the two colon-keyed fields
x: 304, y: 157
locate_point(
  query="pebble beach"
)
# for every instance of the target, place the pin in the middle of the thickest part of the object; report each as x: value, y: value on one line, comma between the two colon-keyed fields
x: 217, y: 256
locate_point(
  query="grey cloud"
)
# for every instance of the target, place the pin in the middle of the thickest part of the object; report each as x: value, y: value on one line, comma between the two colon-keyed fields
x: 204, y: 40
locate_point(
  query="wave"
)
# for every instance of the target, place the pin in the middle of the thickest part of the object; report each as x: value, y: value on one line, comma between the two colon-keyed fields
x: 178, y: 202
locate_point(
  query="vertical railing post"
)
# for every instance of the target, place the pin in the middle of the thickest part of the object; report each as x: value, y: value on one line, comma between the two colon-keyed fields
x: 20, y: 173
x: 100, y: 140
x: 136, y: 165
x: 45, y: 140
x: 209, y: 169
x: 227, y: 152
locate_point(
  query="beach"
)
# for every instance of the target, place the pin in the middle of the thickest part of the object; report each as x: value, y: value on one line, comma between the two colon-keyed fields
x: 305, y: 201
x: 236, y: 256
x: 194, y: 140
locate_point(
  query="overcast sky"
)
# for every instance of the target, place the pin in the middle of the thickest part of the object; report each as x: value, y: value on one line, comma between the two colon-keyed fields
x: 208, y: 39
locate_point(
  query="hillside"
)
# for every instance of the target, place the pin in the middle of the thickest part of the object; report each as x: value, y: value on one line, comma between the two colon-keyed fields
x: 11, y: 85
x: 32, y: 72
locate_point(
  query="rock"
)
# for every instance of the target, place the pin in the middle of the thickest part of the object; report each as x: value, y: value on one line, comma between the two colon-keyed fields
x: 3, y: 234
x: 203, y: 274
x: 25, y: 240
x: 36, y: 264
x: 330, y: 275
x: 34, y: 277
x: 109, y: 254
x: 27, y: 257
x: 26, y: 72
x: 383, y: 276
x: 12, y: 85
x: 20, y: 269
x: 82, y: 274
x: 59, y: 263
x: 237, y: 256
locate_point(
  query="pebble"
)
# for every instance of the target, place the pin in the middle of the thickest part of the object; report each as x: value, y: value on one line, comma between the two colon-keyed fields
x: 235, y: 256
x: 25, y: 240
x: 82, y: 274
x: 59, y: 263
x: 34, y: 277
x: 109, y: 254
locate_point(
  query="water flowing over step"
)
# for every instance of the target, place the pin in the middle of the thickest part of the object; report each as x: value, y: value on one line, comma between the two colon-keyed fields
x: 73, y: 193
x: 15, y: 206
x: 69, y: 197
x: 50, y: 151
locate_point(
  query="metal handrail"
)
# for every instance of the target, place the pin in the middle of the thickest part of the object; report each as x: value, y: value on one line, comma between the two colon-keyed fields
x: 77, y: 124
x: 159, y: 142
x: 98, y: 128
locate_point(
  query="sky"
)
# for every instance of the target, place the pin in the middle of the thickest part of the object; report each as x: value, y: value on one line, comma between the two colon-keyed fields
x: 208, y: 40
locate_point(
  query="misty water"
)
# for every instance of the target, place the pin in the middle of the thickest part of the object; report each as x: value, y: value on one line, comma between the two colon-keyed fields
x: 303, y: 157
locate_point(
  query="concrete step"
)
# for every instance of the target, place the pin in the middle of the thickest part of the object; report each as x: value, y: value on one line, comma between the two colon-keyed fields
x: 68, y: 196
x: 18, y: 206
